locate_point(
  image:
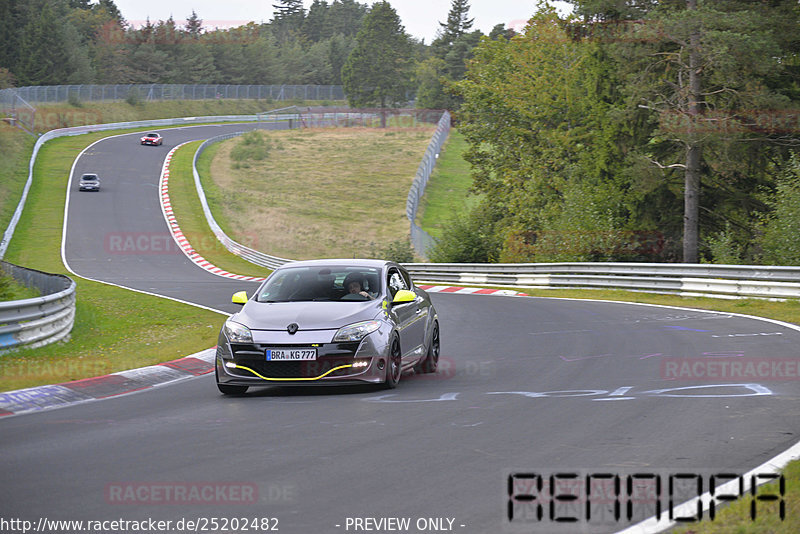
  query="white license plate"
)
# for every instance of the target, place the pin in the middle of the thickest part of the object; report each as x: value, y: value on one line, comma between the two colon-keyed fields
x: 290, y: 355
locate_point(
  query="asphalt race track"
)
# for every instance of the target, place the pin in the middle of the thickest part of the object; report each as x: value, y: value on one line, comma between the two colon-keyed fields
x: 526, y: 385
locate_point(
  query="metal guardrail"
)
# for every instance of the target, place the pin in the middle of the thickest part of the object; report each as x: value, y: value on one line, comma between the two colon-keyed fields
x: 731, y: 281
x: 41, y: 320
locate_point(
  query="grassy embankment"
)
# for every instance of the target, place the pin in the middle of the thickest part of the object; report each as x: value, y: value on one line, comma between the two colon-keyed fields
x: 737, y: 519
x: 448, y: 188
x: 317, y: 193
x: 50, y: 116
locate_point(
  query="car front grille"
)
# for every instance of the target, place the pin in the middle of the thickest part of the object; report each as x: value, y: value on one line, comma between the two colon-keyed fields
x: 329, y: 356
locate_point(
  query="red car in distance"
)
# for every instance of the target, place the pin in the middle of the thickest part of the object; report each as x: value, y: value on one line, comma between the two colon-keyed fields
x: 152, y: 139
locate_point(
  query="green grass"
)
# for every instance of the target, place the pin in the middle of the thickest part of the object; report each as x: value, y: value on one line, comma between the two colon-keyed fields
x: 736, y: 518
x: 115, y: 329
x: 787, y: 311
x: 15, y: 148
x: 11, y: 290
x: 50, y: 116
x: 192, y: 221
x: 330, y: 192
x: 447, y: 192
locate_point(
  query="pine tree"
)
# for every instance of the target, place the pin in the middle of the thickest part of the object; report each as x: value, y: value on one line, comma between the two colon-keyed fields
x: 111, y: 8
x: 457, y: 22
x: 378, y: 69
x: 701, y: 69
x: 194, y: 25
x: 345, y: 17
x: 43, y: 57
x: 287, y: 21
x: 315, y: 25
x: 10, y: 22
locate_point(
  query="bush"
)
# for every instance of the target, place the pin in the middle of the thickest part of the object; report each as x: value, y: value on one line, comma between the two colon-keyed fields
x: 11, y: 290
x: 723, y: 248
x: 399, y: 251
x: 782, y: 225
x: 134, y: 98
x: 74, y: 100
x: 251, y: 146
x: 5, y: 288
x: 468, y: 238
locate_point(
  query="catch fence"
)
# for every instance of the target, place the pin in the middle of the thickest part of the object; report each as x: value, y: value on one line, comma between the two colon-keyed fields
x: 46, y: 94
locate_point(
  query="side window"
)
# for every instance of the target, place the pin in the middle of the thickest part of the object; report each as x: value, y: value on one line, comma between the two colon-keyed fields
x: 406, y: 279
x: 395, y: 282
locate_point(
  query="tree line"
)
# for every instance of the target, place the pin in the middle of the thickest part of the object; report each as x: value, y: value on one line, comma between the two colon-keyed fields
x: 53, y: 42
x: 635, y: 131
x: 49, y: 42
x: 629, y: 130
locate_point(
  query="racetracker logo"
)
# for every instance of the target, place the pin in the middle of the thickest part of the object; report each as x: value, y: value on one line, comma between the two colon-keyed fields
x: 50, y: 118
x: 157, y: 243
x: 192, y: 493
x: 725, y: 369
x: 127, y: 243
x: 448, y: 368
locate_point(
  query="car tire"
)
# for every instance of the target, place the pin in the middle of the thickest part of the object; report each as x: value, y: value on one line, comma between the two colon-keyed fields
x: 431, y: 362
x: 228, y: 389
x: 394, y: 365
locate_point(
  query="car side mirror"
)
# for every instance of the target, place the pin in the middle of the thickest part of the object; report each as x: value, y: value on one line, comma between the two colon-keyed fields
x: 240, y: 298
x: 403, y: 296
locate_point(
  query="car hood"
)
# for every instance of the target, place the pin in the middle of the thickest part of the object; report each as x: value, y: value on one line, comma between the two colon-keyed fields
x: 307, y: 315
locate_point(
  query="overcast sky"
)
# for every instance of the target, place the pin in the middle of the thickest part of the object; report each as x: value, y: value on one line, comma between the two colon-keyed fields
x: 420, y: 17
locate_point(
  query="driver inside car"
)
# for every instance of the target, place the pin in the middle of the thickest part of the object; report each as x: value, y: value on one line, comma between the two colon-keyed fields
x: 354, y: 285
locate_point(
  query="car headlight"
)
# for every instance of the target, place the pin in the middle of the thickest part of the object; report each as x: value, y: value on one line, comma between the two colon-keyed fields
x: 237, y: 333
x: 356, y: 331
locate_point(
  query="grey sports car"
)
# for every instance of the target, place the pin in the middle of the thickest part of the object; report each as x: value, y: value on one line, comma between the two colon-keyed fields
x: 328, y: 322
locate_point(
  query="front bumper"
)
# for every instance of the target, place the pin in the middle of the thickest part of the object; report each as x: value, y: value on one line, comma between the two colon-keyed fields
x: 245, y: 364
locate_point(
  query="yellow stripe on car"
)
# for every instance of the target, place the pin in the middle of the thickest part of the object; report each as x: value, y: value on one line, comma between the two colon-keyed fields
x: 293, y: 379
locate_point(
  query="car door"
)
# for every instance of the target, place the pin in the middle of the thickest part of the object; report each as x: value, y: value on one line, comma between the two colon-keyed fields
x: 409, y: 317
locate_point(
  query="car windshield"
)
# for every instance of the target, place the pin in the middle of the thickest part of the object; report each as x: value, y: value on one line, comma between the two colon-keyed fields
x: 151, y: 135
x: 89, y: 177
x: 329, y: 283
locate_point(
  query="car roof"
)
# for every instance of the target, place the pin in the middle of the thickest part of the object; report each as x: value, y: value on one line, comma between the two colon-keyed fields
x: 342, y: 261
x: 89, y: 175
